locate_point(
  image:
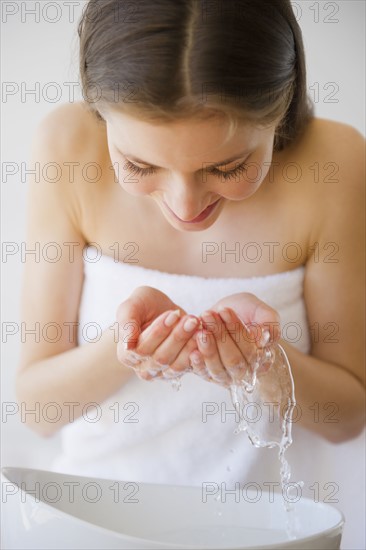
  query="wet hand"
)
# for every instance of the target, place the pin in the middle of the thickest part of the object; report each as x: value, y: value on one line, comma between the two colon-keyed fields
x: 160, y: 335
x: 235, y: 339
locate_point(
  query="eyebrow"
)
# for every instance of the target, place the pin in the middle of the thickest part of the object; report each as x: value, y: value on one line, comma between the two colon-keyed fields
x: 221, y: 163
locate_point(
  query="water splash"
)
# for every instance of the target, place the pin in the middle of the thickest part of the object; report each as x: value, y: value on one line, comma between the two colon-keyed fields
x: 176, y: 383
x: 147, y: 364
x: 272, y: 391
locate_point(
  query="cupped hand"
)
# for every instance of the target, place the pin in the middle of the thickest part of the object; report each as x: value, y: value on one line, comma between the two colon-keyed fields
x: 235, y: 339
x: 160, y: 340
x: 155, y: 335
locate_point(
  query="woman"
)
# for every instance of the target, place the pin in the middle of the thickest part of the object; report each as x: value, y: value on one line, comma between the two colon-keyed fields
x: 195, y: 158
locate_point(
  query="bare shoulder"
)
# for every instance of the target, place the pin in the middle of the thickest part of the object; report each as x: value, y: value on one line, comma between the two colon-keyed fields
x: 73, y: 138
x: 326, y: 195
x: 334, y: 154
x: 331, y: 159
x: 318, y: 124
x: 335, y: 143
x: 72, y: 129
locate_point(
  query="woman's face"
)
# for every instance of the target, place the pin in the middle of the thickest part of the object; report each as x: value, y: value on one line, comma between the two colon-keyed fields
x: 186, y: 166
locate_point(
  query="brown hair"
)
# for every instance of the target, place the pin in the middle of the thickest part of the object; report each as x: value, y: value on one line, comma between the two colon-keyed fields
x: 163, y: 60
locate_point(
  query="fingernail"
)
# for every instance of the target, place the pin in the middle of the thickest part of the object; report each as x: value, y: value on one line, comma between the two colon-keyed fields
x: 264, y: 338
x: 131, y: 361
x: 225, y: 314
x: 169, y: 373
x: 196, y: 359
x: 172, y: 318
x: 162, y: 366
x: 152, y: 372
x: 190, y: 324
x: 253, y: 333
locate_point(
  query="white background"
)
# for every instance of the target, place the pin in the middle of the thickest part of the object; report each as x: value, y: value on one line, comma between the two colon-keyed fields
x: 36, y: 52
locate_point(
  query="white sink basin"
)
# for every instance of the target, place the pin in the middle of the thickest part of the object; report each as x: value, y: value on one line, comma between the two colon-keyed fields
x: 43, y: 509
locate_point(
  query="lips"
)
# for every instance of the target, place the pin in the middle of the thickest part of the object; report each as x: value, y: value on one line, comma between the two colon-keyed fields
x: 202, y: 216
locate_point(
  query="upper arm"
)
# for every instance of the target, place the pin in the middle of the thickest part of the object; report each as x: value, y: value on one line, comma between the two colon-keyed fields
x: 335, y: 279
x: 52, y: 277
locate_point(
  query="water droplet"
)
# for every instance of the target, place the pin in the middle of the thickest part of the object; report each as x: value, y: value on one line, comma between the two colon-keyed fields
x: 176, y: 383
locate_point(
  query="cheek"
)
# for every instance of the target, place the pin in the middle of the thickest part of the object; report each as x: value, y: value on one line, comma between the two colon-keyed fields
x: 245, y: 186
x: 239, y: 190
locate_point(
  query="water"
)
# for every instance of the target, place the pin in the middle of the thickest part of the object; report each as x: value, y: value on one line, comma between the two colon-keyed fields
x: 272, y: 393
x: 176, y: 383
x: 146, y: 363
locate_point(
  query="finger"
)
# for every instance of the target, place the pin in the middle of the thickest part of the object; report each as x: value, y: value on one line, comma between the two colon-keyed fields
x: 144, y: 367
x: 234, y: 351
x: 253, y: 312
x: 147, y: 371
x: 208, y: 348
x: 171, y: 374
x: 260, y: 335
x: 141, y: 359
x: 198, y: 366
x: 129, y: 318
x: 266, y: 358
x: 157, y: 332
x: 253, y: 345
x: 130, y: 358
x: 182, y: 362
x: 170, y: 349
x: 244, y: 339
x: 148, y: 375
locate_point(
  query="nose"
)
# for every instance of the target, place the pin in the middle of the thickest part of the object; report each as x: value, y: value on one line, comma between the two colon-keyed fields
x: 186, y: 198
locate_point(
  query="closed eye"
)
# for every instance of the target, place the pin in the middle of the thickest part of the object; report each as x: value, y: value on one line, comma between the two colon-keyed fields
x: 137, y: 170
x: 231, y: 174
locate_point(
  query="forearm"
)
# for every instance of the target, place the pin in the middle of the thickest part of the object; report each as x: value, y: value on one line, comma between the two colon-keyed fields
x: 330, y: 400
x: 82, y: 375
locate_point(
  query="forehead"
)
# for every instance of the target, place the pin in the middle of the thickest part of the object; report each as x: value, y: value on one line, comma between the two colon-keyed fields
x: 180, y: 141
